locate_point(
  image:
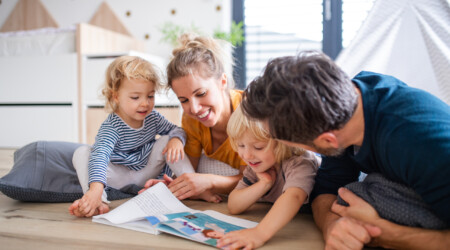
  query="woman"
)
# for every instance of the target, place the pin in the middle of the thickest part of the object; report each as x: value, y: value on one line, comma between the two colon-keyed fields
x: 197, y: 75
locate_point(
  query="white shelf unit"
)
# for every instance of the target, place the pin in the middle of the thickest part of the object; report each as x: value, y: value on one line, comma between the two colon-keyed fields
x: 37, y: 103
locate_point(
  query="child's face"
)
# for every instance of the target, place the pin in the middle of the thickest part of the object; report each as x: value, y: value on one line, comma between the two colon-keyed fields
x: 135, y: 100
x: 257, y: 154
x: 202, y: 98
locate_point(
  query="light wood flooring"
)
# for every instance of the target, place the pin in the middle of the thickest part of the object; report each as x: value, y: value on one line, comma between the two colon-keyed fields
x: 50, y: 226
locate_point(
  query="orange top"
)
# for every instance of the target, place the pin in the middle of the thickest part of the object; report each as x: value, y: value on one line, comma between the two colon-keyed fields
x: 199, y: 138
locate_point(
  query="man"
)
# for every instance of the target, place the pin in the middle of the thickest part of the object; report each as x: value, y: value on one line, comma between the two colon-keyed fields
x: 374, y: 124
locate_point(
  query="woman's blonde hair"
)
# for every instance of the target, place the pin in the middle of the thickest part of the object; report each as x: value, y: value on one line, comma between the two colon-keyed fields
x: 203, y: 55
x: 238, y: 124
x: 128, y: 67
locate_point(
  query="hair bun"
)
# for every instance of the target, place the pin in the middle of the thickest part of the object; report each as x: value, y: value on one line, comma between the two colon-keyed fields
x: 187, y: 41
x: 194, y: 51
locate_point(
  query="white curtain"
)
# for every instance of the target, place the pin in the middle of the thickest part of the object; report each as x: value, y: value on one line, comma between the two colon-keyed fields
x: 409, y: 39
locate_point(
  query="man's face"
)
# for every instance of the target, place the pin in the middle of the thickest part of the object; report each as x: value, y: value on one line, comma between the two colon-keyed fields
x: 330, y: 151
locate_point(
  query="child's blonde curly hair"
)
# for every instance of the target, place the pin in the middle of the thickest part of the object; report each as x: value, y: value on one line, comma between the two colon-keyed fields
x: 238, y: 124
x: 128, y: 67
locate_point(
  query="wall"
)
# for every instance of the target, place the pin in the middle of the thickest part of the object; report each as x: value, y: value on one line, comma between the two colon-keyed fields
x: 146, y: 16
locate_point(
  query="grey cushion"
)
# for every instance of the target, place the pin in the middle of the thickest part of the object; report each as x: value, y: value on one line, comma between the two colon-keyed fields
x: 43, y: 172
x: 395, y: 202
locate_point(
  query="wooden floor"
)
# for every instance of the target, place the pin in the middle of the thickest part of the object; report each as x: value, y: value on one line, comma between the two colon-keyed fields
x: 50, y: 226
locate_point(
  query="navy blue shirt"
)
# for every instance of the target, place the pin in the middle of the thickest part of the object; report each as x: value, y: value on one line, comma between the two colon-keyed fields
x: 406, y: 138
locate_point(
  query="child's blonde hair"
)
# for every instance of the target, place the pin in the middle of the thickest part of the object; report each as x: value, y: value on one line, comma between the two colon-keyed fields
x: 128, y: 67
x: 238, y: 124
x: 202, y: 55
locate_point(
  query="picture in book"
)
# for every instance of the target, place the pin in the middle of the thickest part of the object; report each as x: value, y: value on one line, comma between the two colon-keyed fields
x: 194, y: 226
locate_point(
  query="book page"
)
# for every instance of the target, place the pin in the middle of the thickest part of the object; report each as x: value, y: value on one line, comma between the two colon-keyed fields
x: 231, y: 219
x: 202, y: 227
x: 155, y: 200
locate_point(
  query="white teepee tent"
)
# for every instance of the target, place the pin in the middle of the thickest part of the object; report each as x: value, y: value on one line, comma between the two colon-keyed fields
x: 409, y: 39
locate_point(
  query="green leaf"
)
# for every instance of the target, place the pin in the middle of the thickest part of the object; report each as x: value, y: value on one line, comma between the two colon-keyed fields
x: 171, y: 32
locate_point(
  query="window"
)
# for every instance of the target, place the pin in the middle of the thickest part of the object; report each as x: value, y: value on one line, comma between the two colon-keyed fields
x: 279, y: 28
x: 286, y: 27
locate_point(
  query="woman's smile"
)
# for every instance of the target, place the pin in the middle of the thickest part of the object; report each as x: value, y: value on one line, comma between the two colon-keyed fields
x: 204, y: 114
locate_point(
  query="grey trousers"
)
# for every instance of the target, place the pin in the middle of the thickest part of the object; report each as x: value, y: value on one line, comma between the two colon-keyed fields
x: 119, y: 176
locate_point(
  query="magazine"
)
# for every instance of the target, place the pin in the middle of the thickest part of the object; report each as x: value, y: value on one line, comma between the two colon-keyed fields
x: 157, y: 209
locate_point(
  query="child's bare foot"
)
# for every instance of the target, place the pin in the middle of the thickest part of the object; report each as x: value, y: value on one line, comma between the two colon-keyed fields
x: 102, y: 209
x: 208, y: 196
x: 73, y: 209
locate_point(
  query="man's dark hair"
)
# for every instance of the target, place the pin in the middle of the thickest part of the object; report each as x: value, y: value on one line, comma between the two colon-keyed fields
x: 301, y: 97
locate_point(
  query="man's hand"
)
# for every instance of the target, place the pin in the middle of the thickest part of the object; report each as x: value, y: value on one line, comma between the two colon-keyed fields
x: 388, y: 234
x: 354, y: 229
x: 349, y: 233
x: 358, y: 208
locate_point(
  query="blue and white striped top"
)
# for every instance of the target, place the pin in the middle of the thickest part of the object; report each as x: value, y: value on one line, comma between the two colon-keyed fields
x: 118, y: 143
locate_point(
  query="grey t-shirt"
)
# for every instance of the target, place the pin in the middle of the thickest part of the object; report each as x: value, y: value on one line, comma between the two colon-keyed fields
x: 297, y: 171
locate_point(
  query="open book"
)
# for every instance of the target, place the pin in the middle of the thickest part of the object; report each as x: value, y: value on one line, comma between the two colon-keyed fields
x: 157, y: 209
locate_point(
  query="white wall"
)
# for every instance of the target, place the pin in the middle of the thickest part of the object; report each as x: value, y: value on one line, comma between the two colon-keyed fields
x: 147, y: 16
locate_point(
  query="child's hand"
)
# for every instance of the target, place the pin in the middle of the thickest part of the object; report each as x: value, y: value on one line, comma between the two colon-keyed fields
x: 73, y: 209
x: 91, y: 200
x: 268, y: 176
x: 174, y: 150
x: 166, y: 180
x: 246, y: 239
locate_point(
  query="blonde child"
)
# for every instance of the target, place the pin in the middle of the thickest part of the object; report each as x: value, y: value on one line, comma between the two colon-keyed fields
x: 274, y: 173
x: 125, y: 149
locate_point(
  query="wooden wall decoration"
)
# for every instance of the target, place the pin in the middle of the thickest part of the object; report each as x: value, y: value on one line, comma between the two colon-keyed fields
x: 107, y: 19
x: 28, y: 15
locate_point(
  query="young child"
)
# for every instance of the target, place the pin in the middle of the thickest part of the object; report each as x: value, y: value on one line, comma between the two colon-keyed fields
x: 275, y: 173
x: 126, y: 150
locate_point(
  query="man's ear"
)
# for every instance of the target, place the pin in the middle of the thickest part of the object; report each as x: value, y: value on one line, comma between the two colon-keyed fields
x: 327, y: 140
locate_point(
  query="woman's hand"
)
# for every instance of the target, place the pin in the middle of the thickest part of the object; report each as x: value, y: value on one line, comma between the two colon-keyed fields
x: 150, y: 183
x: 245, y: 239
x: 191, y: 184
x: 174, y: 150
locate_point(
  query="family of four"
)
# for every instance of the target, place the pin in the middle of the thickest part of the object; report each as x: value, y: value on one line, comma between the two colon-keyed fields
x: 295, y: 136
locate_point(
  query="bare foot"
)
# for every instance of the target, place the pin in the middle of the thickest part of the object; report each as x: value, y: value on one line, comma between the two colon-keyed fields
x: 73, y: 209
x: 208, y: 196
x: 102, y: 209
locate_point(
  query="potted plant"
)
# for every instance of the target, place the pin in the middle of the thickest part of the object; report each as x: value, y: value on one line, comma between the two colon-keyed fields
x: 172, y: 31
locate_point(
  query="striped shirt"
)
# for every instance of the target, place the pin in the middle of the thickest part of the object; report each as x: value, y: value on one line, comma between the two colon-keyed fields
x: 118, y: 143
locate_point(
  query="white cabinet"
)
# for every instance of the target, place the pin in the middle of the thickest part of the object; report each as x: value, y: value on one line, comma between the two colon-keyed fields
x: 37, y: 96
x: 41, y: 97
x: 24, y: 124
x: 38, y: 79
